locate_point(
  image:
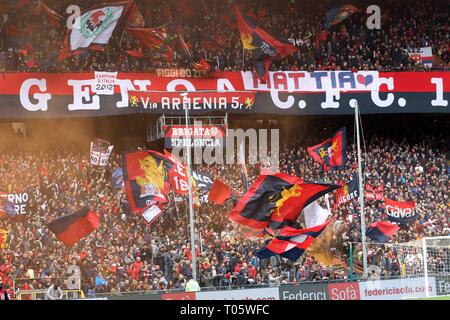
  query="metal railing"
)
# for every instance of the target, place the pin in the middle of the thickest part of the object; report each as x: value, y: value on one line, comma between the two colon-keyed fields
x: 41, y: 294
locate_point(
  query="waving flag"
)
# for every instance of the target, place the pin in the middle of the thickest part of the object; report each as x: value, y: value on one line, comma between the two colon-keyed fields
x: 348, y: 192
x: 219, y: 192
x: 7, y: 208
x: 331, y: 152
x: 209, y: 43
x: 97, y: 25
x: 146, y: 177
x: 276, y: 200
x: 315, y: 215
x: 75, y: 226
x: 135, y: 20
x: 100, y: 152
x: 291, y: 243
x: 380, y: 231
x: 401, y: 211
x: 338, y: 14
x: 158, y: 40
x: 264, y: 47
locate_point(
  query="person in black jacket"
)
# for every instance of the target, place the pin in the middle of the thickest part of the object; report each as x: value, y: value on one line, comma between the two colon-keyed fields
x: 3, y: 293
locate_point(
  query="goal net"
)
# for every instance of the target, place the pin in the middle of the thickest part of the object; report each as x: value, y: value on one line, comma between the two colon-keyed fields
x: 427, y: 259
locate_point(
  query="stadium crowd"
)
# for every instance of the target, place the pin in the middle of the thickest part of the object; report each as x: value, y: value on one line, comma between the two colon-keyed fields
x: 349, y: 45
x: 125, y: 254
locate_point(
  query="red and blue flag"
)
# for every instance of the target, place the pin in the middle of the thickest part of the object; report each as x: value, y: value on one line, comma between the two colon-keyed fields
x: 291, y: 243
x: 331, y: 152
x: 381, y: 231
x: 277, y: 200
x: 73, y: 227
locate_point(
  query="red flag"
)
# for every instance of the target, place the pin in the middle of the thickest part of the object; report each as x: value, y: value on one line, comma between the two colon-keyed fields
x: 264, y: 47
x: 331, y: 152
x: 219, y: 192
x: 291, y: 243
x: 135, y: 20
x: 73, y: 227
x: 150, y: 37
x: 276, y: 200
x: 202, y: 65
x: 146, y: 179
x: 380, y: 231
x: 136, y: 54
x: 400, y: 211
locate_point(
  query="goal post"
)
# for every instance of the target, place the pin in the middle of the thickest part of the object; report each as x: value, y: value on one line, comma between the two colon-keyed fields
x: 405, y: 270
x: 427, y: 259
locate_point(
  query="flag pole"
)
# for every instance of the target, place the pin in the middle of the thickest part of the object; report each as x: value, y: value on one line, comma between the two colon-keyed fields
x: 191, y: 208
x: 361, y: 193
x: 243, y: 57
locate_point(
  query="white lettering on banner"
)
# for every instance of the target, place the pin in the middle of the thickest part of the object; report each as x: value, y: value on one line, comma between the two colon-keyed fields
x: 439, y: 101
x: 80, y: 94
x: 318, y: 81
x: 375, y: 94
x: 42, y: 98
x: 20, y: 201
x: 444, y: 286
x: 283, y: 86
x: 399, y: 212
x: 247, y: 294
x: 321, y: 295
x: 100, y: 157
x: 396, y: 289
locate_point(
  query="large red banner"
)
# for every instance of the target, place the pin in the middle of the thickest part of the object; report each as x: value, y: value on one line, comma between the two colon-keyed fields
x: 43, y: 95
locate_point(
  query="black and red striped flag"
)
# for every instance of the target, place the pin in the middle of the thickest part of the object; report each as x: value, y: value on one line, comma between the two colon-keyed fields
x: 277, y: 200
x: 75, y: 226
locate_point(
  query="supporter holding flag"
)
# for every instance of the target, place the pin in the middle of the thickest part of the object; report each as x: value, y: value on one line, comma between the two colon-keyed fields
x: 75, y: 226
x: 331, y: 152
x: 381, y: 231
x: 263, y: 46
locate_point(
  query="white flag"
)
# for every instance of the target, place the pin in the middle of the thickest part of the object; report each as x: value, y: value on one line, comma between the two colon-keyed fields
x: 315, y: 215
x: 151, y: 213
x: 96, y: 26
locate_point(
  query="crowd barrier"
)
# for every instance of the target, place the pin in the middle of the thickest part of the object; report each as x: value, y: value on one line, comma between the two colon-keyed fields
x: 394, y: 289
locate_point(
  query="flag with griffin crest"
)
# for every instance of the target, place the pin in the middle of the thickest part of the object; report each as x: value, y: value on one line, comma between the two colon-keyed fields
x: 331, y: 152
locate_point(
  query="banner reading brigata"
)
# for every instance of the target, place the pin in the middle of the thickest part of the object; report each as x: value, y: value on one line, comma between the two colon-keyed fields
x: 201, y: 136
x: 46, y: 95
x: 401, y: 212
